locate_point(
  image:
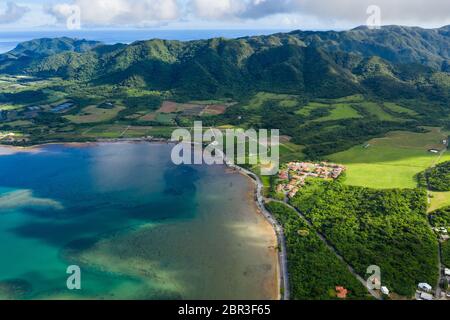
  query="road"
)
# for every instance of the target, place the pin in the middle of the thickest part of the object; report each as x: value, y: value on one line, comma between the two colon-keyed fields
x: 374, y: 293
x: 282, y: 252
x: 440, y: 265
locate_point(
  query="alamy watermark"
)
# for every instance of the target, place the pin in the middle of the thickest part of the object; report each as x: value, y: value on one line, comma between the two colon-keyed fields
x: 74, y: 280
x: 232, y: 147
x: 374, y: 20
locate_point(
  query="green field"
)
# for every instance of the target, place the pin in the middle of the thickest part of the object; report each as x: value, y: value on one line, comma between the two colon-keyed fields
x: 306, y: 110
x: 341, y: 111
x: 399, y: 109
x: 94, y: 114
x: 283, y: 100
x: 376, y: 110
x: 393, y: 161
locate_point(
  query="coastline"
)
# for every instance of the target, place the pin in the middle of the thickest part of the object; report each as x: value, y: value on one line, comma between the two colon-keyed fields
x: 278, y: 250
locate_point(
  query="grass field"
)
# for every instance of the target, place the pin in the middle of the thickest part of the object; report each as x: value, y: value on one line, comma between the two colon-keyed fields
x: 376, y: 110
x: 399, y: 109
x: 306, y: 110
x: 93, y: 114
x: 439, y: 200
x: 283, y: 100
x: 393, y: 161
x: 341, y: 111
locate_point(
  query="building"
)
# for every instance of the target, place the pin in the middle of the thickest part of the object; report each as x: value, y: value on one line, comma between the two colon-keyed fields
x: 447, y: 272
x: 385, y: 290
x: 341, y: 292
x: 426, y: 296
x: 425, y: 287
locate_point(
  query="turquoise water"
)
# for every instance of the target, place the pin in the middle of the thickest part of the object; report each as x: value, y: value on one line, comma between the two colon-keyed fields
x: 137, y: 225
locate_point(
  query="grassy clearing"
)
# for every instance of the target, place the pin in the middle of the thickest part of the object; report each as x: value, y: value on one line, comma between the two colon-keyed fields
x: 341, y: 111
x: 376, y: 110
x: 439, y: 200
x: 399, y: 109
x: 94, y: 114
x: 283, y: 100
x: 306, y: 110
x: 393, y: 161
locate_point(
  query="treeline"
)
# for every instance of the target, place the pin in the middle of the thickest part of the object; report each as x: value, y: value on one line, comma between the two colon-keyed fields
x: 314, y: 271
x: 441, y: 218
x: 368, y: 227
x: 439, y: 177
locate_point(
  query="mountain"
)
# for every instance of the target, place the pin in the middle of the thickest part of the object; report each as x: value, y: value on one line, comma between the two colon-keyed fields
x: 393, y: 60
x: 26, y: 53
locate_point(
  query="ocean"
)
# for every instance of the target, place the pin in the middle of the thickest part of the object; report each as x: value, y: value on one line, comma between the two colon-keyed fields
x: 137, y: 226
x: 9, y: 40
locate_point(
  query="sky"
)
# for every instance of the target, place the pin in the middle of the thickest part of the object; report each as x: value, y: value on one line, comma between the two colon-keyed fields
x: 219, y: 14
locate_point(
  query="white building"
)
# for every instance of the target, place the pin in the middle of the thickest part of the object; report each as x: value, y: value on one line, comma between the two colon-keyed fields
x: 447, y: 272
x: 425, y: 287
x: 385, y: 290
x: 426, y: 296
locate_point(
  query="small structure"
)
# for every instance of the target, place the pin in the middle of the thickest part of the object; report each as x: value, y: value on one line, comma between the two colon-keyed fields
x: 433, y: 151
x: 425, y: 287
x: 426, y: 296
x: 447, y: 272
x: 385, y: 291
x: 341, y: 292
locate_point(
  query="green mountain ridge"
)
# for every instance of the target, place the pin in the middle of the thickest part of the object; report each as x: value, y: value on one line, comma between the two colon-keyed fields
x: 316, y: 64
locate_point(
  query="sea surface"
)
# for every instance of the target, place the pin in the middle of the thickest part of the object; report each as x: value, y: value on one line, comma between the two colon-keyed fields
x: 138, y: 226
x: 9, y: 40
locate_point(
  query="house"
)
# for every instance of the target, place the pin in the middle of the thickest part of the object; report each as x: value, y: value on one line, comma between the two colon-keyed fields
x: 385, y: 290
x: 425, y: 287
x: 341, y: 292
x: 447, y: 272
x: 426, y: 296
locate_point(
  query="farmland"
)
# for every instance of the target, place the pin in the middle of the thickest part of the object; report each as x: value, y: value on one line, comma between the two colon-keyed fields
x: 392, y: 161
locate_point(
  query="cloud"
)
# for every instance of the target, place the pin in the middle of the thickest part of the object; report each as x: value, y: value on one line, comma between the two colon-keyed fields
x: 350, y: 11
x: 13, y: 13
x: 118, y: 12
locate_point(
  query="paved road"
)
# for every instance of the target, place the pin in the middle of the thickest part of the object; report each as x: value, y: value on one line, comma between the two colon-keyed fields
x: 374, y: 293
x: 282, y: 253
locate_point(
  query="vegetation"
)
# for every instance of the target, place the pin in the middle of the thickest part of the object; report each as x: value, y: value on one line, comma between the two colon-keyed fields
x: 314, y: 270
x: 387, y: 228
x: 439, y: 177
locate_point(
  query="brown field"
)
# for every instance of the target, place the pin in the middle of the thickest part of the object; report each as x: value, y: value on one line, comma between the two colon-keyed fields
x: 215, y: 109
x: 149, y: 117
x: 192, y: 109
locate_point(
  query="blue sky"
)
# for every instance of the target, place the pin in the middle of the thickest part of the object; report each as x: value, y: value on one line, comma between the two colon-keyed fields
x: 218, y: 14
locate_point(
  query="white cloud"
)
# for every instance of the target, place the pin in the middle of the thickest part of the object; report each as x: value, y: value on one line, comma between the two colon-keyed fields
x: 13, y: 13
x: 119, y: 12
x: 218, y: 8
x: 420, y: 12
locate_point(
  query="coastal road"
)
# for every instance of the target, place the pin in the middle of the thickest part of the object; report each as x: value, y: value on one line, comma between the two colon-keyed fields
x: 282, y: 252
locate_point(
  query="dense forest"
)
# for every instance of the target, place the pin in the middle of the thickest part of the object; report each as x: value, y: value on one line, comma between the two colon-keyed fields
x: 387, y: 228
x: 314, y: 271
x: 439, y: 177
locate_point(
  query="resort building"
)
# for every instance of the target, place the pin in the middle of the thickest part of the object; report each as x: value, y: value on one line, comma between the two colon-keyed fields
x: 294, y: 175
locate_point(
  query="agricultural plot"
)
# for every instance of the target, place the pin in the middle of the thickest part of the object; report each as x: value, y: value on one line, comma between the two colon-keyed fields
x: 399, y: 109
x: 95, y: 114
x: 283, y: 100
x: 393, y: 161
x: 376, y: 110
x: 306, y: 110
x: 341, y: 111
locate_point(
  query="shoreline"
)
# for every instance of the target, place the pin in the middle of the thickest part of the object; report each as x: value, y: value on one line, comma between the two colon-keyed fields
x: 281, y: 270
